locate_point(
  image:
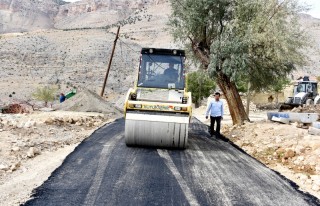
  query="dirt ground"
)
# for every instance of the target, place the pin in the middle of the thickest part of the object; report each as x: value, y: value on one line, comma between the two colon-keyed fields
x: 34, y: 145
x: 284, y: 148
x: 289, y: 150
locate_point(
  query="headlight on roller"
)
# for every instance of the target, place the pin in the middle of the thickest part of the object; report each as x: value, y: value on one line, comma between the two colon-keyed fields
x: 139, y: 106
x: 177, y: 108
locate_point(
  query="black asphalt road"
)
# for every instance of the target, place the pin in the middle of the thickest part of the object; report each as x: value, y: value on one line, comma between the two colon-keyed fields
x: 103, y: 171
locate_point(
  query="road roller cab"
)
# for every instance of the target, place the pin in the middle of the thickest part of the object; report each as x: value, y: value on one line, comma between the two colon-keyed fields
x: 158, y: 109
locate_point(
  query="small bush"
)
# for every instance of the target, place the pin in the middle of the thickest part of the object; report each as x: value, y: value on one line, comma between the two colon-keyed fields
x: 45, y: 94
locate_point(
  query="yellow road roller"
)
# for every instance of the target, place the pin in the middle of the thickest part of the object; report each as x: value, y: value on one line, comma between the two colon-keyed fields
x: 158, y: 109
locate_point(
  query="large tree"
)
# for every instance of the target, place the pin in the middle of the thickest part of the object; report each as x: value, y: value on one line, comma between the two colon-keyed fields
x: 253, y: 40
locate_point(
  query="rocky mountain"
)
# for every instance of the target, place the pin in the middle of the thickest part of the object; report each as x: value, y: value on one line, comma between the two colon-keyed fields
x: 312, y: 27
x: 98, y: 13
x: 30, y: 15
x: 74, y: 57
x: 27, y: 15
x: 78, y: 58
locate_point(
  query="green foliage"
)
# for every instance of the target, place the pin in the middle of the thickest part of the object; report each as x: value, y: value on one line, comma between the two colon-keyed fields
x: 256, y: 41
x: 201, y: 85
x: 45, y: 94
x: 242, y: 86
x: 280, y: 85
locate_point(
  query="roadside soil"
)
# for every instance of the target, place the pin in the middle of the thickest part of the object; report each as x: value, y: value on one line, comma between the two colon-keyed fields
x: 33, y: 145
x: 287, y: 149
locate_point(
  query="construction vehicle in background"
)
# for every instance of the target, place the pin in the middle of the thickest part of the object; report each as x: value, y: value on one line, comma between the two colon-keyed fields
x: 305, y: 93
x: 158, y: 109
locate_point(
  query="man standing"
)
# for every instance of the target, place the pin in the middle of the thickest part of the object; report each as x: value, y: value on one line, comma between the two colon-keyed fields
x: 62, y: 98
x: 215, y: 109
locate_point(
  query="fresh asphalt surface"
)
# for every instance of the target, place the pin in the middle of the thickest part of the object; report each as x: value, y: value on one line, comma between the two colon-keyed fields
x: 104, y: 171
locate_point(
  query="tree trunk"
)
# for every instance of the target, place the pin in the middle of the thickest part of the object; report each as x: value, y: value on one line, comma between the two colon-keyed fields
x: 197, y: 104
x: 277, y: 98
x: 229, y: 89
x: 248, y: 99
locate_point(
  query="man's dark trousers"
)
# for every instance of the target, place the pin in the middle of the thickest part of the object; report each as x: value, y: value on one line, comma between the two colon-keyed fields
x: 212, y: 122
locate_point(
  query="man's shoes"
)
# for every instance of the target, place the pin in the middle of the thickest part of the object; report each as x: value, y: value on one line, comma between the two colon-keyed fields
x: 212, y: 133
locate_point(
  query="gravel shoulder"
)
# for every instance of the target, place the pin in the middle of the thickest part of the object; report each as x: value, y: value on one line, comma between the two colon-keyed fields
x: 17, y: 187
x: 34, y: 145
x: 286, y: 149
x: 289, y: 150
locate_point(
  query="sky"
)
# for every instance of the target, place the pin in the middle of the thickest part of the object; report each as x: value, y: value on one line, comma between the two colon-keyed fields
x: 315, y: 6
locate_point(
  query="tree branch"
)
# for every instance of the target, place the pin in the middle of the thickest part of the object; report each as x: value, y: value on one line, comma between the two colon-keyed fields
x: 204, y: 58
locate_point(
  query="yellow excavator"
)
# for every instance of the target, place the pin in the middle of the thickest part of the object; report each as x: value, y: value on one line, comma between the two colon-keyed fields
x: 158, y: 109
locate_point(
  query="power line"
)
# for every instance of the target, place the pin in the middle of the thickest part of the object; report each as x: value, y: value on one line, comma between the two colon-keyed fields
x: 128, y: 46
x: 183, y: 6
x: 122, y: 56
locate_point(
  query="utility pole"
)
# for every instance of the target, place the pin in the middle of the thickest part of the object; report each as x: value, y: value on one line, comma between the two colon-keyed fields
x: 110, y: 62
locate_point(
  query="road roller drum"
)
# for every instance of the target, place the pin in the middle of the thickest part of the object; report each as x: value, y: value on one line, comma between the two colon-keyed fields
x: 154, y: 130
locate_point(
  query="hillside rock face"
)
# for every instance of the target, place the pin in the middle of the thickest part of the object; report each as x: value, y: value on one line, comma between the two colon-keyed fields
x: 95, y: 13
x: 312, y: 27
x: 85, y: 6
x: 27, y: 15
x: 30, y: 15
